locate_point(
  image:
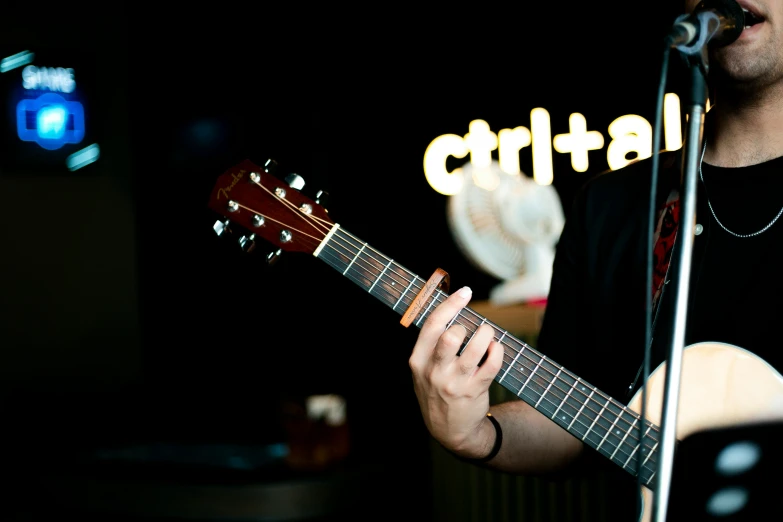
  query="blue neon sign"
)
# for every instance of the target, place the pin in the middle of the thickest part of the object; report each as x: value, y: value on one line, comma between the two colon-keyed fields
x: 50, y: 120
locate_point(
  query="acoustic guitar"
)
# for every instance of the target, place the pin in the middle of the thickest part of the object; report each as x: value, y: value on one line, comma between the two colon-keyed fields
x: 722, y: 385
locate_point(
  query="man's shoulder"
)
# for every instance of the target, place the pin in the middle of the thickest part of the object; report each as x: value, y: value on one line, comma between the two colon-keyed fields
x: 623, y: 194
x: 636, y: 175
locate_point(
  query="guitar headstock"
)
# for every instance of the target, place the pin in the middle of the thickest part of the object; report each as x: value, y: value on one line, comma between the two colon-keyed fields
x: 260, y: 206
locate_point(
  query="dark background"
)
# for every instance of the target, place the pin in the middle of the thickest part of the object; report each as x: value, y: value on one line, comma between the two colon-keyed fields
x: 125, y: 320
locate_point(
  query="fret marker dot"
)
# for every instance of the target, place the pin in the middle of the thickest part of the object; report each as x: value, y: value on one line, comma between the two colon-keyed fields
x: 618, y: 432
x: 564, y: 417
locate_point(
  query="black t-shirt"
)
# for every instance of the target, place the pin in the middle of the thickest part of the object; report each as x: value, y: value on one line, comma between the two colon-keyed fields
x: 737, y: 282
x: 595, y: 313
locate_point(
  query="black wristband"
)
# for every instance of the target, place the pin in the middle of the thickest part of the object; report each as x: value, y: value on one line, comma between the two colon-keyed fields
x: 496, y: 447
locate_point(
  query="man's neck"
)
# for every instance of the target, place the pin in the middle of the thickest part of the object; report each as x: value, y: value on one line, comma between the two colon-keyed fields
x: 745, y: 130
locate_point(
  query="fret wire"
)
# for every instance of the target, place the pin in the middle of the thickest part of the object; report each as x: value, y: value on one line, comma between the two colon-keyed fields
x: 580, y: 409
x: 404, y: 293
x: 473, y: 334
x: 354, y: 258
x: 426, y: 310
x: 381, y: 275
x: 564, y: 399
x: 594, y: 421
x: 512, y: 362
x: 650, y: 454
x: 452, y: 320
x: 608, y: 431
x: 548, y: 386
x: 530, y: 376
x: 623, y: 440
x: 636, y: 447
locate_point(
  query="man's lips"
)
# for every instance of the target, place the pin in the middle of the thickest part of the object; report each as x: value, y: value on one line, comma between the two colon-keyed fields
x: 751, y: 15
x: 751, y: 30
x: 753, y: 20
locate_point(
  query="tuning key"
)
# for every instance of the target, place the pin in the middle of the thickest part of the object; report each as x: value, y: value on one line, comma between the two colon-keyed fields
x: 247, y: 243
x: 270, y: 166
x: 272, y: 257
x: 322, y: 197
x: 222, y: 227
x: 295, y: 181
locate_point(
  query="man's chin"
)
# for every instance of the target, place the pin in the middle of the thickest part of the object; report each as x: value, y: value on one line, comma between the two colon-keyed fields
x: 738, y: 72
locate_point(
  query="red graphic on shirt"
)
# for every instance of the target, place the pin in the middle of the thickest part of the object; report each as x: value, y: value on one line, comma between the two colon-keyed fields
x: 663, y: 239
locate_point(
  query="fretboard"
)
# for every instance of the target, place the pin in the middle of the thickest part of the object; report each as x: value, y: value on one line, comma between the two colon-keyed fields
x: 609, y: 427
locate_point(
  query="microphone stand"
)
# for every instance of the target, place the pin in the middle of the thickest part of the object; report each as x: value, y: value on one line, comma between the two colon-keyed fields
x: 695, y: 108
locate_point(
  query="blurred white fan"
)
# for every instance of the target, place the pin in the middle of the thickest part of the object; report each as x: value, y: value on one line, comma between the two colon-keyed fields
x: 508, y: 225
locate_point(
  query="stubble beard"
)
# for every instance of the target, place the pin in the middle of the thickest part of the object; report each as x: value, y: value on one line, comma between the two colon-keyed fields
x: 747, y: 73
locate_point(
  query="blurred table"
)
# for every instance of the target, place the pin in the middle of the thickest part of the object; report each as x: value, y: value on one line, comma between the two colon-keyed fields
x: 520, y: 319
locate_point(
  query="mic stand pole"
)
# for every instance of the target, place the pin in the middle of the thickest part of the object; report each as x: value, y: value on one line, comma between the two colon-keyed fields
x: 695, y: 104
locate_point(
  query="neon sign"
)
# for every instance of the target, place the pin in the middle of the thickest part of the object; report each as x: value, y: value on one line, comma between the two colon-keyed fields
x: 629, y: 134
x: 50, y: 120
x: 57, y: 79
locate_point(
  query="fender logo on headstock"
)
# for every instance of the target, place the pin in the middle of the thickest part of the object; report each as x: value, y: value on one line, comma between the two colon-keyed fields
x: 225, y: 190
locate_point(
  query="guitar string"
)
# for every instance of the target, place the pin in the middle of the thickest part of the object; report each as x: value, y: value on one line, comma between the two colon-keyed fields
x: 311, y: 219
x: 609, y: 399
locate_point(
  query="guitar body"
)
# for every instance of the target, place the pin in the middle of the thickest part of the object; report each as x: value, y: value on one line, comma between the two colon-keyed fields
x: 721, y: 386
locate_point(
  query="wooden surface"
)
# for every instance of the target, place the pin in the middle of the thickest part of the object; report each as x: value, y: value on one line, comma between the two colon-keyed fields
x: 518, y: 319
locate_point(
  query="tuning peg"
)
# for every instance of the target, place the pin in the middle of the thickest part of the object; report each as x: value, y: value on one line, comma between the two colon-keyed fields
x: 270, y: 166
x: 222, y: 227
x: 272, y: 257
x: 322, y: 197
x: 247, y: 243
x: 295, y: 181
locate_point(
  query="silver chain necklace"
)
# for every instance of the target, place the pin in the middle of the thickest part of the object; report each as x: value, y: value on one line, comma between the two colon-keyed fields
x: 704, y: 148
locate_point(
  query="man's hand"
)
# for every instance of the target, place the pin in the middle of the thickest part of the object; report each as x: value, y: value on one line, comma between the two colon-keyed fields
x: 451, y: 387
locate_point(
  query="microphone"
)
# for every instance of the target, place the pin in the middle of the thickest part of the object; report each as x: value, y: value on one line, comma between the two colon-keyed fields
x: 717, y: 22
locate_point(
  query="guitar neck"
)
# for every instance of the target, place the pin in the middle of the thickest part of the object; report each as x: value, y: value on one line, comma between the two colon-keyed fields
x: 604, y: 424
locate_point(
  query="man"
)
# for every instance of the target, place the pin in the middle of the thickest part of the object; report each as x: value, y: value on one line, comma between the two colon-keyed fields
x: 595, y: 319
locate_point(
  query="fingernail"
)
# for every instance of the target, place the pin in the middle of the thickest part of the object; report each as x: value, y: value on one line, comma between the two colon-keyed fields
x: 465, y: 292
